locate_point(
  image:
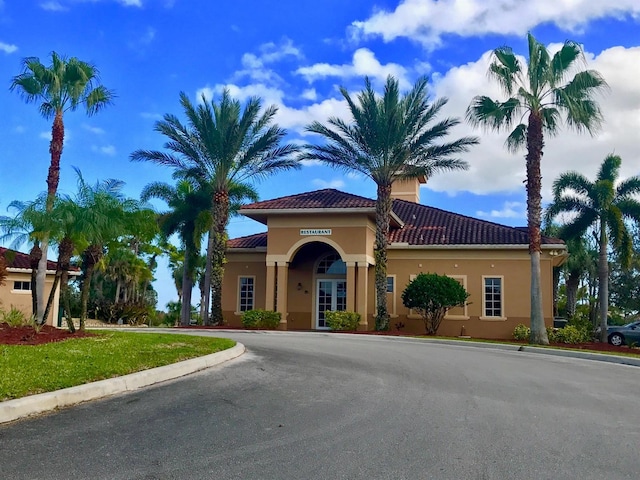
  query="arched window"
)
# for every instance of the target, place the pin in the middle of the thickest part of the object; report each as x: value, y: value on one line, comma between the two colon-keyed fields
x: 332, y: 264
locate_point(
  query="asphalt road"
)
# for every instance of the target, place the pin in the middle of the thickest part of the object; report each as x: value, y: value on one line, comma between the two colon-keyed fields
x: 314, y: 406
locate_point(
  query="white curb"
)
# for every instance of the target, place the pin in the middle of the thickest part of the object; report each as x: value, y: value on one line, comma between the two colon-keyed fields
x: 44, y: 402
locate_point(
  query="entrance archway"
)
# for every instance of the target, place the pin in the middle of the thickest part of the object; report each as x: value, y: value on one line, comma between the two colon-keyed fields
x: 331, y: 287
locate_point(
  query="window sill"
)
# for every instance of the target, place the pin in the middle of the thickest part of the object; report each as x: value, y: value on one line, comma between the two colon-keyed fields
x: 21, y: 292
x: 493, y: 319
x: 456, y: 317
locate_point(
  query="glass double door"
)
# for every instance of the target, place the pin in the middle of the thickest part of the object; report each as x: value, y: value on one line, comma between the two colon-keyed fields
x: 331, y: 294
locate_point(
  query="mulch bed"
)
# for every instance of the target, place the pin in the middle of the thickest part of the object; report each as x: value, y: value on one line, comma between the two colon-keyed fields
x: 28, y: 336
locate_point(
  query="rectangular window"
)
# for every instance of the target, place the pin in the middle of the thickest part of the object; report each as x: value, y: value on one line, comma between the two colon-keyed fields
x: 390, y: 284
x: 493, y: 297
x: 22, y: 285
x: 246, y: 293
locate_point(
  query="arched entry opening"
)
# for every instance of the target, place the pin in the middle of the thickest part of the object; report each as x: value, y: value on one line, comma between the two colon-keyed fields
x: 331, y: 287
x: 318, y: 282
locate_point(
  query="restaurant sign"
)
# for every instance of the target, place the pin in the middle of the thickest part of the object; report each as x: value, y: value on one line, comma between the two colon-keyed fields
x: 315, y: 231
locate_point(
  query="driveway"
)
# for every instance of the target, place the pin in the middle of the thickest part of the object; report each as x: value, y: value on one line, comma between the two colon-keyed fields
x: 321, y: 406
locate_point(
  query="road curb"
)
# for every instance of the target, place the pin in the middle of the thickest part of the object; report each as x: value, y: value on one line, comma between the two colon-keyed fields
x: 11, y: 410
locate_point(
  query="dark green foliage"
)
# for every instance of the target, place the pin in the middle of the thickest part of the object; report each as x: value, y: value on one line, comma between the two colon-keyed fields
x: 261, y: 319
x: 431, y: 295
x: 342, y: 321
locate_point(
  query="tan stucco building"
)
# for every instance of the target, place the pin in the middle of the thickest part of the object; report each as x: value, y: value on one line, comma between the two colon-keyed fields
x: 16, y: 291
x: 318, y: 254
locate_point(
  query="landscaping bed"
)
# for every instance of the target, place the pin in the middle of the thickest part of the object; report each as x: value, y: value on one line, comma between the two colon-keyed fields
x: 28, y: 335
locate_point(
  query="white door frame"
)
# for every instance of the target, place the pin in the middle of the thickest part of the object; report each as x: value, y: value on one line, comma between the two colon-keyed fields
x: 334, y: 298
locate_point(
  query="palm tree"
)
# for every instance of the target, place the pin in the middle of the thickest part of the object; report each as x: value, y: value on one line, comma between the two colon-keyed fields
x: 388, y: 138
x: 604, y: 204
x: 190, y: 218
x: 222, y: 144
x: 63, y: 86
x: 541, y: 93
x: 28, y: 225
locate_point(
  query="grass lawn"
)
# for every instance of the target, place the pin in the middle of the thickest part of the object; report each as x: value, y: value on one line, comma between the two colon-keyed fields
x: 30, y: 369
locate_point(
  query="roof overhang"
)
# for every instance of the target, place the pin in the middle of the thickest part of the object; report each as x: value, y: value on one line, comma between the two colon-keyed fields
x: 71, y: 273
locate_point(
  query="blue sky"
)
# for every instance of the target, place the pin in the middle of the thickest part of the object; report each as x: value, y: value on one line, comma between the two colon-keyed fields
x: 296, y: 54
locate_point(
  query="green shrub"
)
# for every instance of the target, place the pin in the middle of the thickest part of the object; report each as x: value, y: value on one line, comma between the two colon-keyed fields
x: 342, y: 321
x: 261, y: 319
x: 521, y: 332
x: 551, y: 334
x: 14, y: 317
x: 571, y: 334
x: 431, y: 295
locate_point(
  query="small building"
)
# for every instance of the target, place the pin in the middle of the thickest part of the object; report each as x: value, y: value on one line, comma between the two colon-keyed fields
x: 16, y: 291
x: 318, y: 254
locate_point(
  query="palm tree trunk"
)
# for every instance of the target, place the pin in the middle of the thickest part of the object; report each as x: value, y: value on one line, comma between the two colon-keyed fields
x: 65, y: 251
x: 41, y: 277
x: 84, y: 295
x: 383, y: 212
x: 535, y: 144
x: 34, y: 259
x: 118, y: 288
x: 187, y: 288
x: 206, y: 319
x: 66, y: 301
x: 91, y: 256
x: 53, y: 179
x: 220, y: 214
x: 573, y: 283
x: 603, y: 281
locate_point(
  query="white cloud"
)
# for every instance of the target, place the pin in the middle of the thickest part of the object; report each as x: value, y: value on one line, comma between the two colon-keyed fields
x: 508, y: 210
x: 493, y: 169
x: 53, y: 6
x: 364, y: 63
x: 256, y: 66
x: 269, y: 95
x: 320, y: 183
x: 95, y: 130
x: 105, y: 150
x: 310, y: 94
x: 427, y: 21
x: 8, y: 47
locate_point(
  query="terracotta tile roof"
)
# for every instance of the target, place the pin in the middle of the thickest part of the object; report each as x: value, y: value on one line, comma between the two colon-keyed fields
x: 423, y: 225
x: 21, y: 260
x: 250, y: 241
x: 426, y: 225
x: 327, y: 198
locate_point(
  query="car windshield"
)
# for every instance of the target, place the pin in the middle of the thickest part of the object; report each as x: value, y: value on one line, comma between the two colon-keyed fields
x: 632, y: 324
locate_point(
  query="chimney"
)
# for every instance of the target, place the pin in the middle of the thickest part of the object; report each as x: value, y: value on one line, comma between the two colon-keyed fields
x: 408, y: 189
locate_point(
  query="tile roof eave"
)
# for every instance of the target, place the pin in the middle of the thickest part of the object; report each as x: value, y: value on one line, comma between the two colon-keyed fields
x: 479, y: 246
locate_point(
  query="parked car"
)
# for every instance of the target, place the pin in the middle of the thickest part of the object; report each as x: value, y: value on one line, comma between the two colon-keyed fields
x: 626, y: 334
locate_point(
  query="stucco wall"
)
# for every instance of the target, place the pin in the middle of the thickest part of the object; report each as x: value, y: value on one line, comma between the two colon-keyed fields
x: 21, y: 299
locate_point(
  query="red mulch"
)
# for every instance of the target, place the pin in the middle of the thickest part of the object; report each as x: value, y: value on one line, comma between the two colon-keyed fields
x: 28, y: 336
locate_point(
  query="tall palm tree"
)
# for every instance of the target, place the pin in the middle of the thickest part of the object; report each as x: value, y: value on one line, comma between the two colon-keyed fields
x: 540, y: 92
x: 605, y: 204
x: 222, y: 144
x: 190, y: 218
x: 386, y: 139
x: 62, y: 86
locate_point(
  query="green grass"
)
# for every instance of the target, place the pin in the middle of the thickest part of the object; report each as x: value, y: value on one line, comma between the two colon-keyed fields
x: 30, y: 369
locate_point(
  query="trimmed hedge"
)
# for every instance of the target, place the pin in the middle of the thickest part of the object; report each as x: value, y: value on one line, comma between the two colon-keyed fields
x: 342, y: 321
x: 261, y: 319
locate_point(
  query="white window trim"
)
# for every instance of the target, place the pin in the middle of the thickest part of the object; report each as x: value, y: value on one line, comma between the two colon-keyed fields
x: 502, y: 300
x: 465, y: 315
x: 239, y: 287
x: 20, y: 291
